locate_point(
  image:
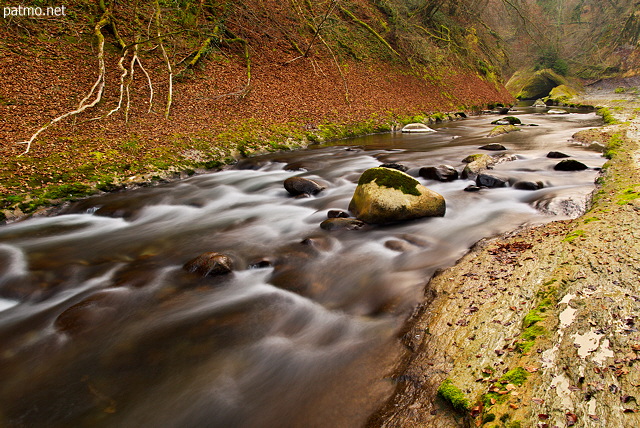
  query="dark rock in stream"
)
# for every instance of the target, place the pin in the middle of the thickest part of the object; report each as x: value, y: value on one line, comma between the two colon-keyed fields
x: 297, y: 186
x: 557, y: 155
x: 528, y: 185
x: 337, y: 214
x: 397, y: 166
x: 570, y: 165
x: 342, y: 224
x: 210, y: 264
x: 493, y: 147
x: 93, y: 311
x: 491, y: 181
x: 440, y: 173
x: 472, y: 188
x: 509, y: 120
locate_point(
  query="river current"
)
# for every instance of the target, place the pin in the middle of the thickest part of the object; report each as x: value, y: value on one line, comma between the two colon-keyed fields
x: 101, y: 327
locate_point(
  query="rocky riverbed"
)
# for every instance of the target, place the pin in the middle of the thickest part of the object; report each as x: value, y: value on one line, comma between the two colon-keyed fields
x: 538, y: 328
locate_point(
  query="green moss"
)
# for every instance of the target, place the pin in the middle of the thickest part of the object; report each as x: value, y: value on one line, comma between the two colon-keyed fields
x: 627, y: 196
x: 517, y: 376
x: 620, y: 90
x: 531, y: 318
x: 503, y: 129
x: 590, y: 220
x: 607, y: 116
x: 67, y: 191
x: 453, y: 395
x: 529, y: 336
x: 573, y: 235
x: 391, y: 178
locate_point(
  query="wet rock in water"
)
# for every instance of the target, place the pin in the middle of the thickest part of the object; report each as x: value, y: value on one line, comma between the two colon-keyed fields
x: 397, y: 166
x: 461, y: 114
x: 557, y: 111
x: 337, y: 214
x: 557, y: 155
x: 476, y: 164
x: 400, y: 246
x: 491, y: 181
x: 92, y: 312
x: 528, y: 185
x: 386, y: 195
x: 503, y: 110
x: 210, y: 264
x: 570, y: 165
x: 539, y: 104
x: 342, y: 224
x: 250, y: 164
x: 320, y: 243
x: 493, y: 146
x: 509, y: 120
x: 440, y: 173
x: 504, y: 157
x: 502, y: 129
x: 472, y: 188
x: 261, y: 264
x: 417, y: 127
x: 297, y: 186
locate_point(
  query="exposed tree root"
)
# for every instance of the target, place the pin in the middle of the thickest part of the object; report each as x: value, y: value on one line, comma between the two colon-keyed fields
x: 97, y: 86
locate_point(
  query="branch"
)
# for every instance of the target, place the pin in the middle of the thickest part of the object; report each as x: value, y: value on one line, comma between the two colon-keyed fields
x: 167, y: 62
x: 371, y: 30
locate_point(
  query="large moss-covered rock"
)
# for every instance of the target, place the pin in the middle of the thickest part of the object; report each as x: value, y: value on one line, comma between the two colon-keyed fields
x: 529, y: 85
x: 386, y: 196
x: 563, y: 93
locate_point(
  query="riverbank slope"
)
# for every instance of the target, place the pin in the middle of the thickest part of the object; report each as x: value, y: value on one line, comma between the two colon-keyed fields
x: 243, y: 78
x: 537, y: 328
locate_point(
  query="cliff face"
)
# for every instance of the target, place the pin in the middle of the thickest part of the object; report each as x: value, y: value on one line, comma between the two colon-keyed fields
x: 242, y: 76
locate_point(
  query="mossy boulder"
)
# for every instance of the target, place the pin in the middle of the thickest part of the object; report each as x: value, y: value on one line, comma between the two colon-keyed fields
x: 386, y: 195
x: 563, y: 93
x: 529, y: 85
x: 475, y: 164
x: 502, y: 129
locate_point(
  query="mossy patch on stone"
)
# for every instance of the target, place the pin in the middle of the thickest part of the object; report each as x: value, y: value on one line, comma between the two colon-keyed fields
x: 503, y: 129
x: 391, y: 178
x: 453, y: 395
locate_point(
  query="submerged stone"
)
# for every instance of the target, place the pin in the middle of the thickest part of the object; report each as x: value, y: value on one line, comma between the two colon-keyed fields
x: 342, y: 224
x: 493, y: 147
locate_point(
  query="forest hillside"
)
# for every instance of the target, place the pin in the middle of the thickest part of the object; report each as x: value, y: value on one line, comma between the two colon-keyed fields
x: 115, y: 93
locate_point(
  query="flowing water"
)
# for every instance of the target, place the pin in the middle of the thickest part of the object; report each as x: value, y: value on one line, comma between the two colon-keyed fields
x: 101, y: 327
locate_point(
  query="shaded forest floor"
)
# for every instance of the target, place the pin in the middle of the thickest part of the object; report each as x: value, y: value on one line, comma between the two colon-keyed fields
x: 538, y: 328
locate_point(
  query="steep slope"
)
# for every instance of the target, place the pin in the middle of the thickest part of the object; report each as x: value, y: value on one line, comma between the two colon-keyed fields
x: 246, y: 76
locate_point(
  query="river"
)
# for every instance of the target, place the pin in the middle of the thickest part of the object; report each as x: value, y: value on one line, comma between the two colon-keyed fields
x: 101, y: 327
